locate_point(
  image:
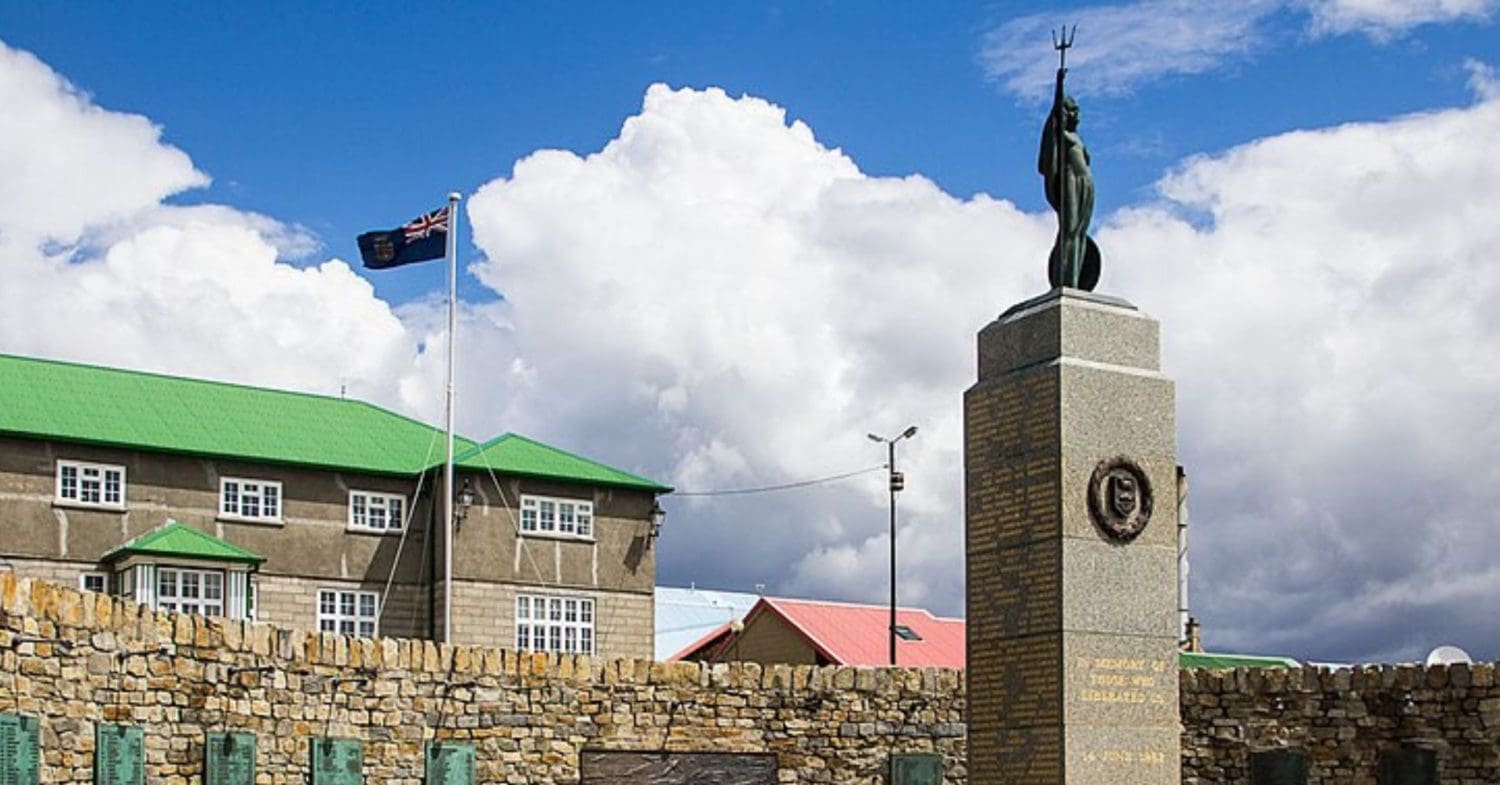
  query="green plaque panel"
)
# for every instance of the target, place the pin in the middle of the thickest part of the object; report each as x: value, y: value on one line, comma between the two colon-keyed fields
x: 119, y: 755
x: 1278, y: 767
x: 916, y: 770
x: 449, y: 763
x: 20, y: 750
x: 1408, y: 766
x: 337, y: 762
x: 229, y: 759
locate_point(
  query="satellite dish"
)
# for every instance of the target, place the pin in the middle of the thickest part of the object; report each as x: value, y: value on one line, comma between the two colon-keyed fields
x: 1449, y: 655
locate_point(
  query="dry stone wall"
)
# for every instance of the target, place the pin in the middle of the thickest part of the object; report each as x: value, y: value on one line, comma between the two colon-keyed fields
x: 1344, y: 721
x: 528, y: 715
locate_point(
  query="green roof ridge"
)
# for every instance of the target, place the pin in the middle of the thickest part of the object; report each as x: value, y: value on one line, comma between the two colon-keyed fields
x: 122, y: 407
x: 189, y: 379
x: 605, y: 474
x: 176, y: 539
x: 1216, y: 661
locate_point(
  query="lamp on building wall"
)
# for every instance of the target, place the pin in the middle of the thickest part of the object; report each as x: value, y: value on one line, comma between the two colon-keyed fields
x: 658, y: 515
x: 464, y: 499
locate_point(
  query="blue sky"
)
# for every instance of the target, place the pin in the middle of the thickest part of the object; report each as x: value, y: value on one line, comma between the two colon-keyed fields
x: 341, y: 119
x: 727, y: 281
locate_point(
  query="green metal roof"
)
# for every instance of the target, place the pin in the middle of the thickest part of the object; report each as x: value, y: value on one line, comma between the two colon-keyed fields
x: 514, y: 454
x: 1207, y: 661
x: 175, y: 539
x: 84, y: 403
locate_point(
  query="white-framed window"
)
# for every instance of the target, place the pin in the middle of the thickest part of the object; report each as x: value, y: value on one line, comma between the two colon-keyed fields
x: 349, y: 612
x: 376, y: 512
x: 190, y: 591
x: 555, y: 624
x: 252, y: 597
x: 94, y: 582
x: 91, y: 484
x: 250, y: 500
x: 557, y: 517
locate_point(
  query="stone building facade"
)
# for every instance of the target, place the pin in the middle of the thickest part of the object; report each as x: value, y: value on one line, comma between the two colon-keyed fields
x: 337, y: 501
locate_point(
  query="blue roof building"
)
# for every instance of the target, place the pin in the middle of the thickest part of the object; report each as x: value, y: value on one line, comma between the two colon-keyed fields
x: 686, y: 616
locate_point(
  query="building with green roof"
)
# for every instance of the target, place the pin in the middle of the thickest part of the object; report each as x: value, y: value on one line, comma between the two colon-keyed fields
x: 317, y: 512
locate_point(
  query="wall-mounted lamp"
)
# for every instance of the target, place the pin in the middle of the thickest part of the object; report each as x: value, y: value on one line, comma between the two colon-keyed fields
x: 464, y: 499
x: 658, y: 515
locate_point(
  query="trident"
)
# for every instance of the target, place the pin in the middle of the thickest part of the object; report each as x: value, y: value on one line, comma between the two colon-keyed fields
x: 1062, y: 43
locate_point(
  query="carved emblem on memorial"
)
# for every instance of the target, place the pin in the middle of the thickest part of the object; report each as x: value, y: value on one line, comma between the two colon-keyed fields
x: 1120, y: 498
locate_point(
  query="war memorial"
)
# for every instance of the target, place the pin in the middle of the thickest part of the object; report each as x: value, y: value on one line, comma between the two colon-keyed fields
x: 1072, y: 679
x: 1072, y: 563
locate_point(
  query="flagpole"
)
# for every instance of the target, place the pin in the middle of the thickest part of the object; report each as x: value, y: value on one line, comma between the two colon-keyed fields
x: 448, y: 408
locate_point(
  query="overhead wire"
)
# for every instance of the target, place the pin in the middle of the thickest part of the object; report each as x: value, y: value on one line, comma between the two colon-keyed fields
x: 784, y: 486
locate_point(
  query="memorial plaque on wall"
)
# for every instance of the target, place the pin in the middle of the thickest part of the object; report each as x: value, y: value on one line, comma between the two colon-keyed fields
x: 119, y: 755
x: 20, y: 750
x: 337, y: 762
x: 229, y: 759
x: 449, y: 763
x: 916, y: 770
x: 1408, y: 766
x: 601, y: 767
x: 1278, y: 767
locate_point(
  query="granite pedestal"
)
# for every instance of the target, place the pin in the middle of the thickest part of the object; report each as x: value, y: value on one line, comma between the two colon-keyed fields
x: 1072, y: 629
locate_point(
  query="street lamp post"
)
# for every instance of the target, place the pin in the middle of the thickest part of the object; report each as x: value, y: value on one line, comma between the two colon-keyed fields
x: 897, y: 482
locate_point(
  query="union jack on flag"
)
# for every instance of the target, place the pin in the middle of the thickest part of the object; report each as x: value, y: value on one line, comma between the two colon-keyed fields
x: 422, y: 227
x: 423, y: 238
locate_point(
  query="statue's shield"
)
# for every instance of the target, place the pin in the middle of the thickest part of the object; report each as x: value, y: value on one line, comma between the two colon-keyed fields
x: 1088, y: 277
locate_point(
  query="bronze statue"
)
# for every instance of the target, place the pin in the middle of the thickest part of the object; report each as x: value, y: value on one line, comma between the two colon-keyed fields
x: 1064, y: 164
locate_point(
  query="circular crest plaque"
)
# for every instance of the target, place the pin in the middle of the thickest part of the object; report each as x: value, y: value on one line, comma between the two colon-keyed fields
x: 1120, y: 498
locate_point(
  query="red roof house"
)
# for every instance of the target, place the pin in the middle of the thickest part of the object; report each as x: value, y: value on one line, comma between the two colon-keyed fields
x: 808, y: 632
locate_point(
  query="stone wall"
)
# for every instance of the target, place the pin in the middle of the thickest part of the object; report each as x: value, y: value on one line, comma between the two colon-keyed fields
x: 1344, y: 720
x: 529, y: 715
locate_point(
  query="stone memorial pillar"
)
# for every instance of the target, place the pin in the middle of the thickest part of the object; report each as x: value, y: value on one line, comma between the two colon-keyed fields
x: 1070, y: 486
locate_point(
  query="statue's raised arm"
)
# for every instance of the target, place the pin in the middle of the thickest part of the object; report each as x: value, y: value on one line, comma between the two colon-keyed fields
x: 1063, y: 162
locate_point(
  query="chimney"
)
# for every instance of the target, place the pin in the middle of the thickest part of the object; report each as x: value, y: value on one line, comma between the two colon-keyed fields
x: 1194, y: 642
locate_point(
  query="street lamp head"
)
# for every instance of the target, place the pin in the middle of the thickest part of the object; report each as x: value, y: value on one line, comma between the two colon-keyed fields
x: 909, y: 432
x: 872, y: 437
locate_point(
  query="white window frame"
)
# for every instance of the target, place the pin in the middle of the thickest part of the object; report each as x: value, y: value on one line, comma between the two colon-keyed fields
x: 559, y: 623
x: 198, y: 602
x: 552, y: 516
x: 81, y: 482
x: 344, y: 612
x: 362, y: 504
x: 103, y: 577
x: 242, y: 492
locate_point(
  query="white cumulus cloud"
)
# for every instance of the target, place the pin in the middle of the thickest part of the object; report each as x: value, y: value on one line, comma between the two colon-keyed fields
x: 97, y: 268
x: 719, y: 298
x: 1331, y: 327
x: 718, y: 295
